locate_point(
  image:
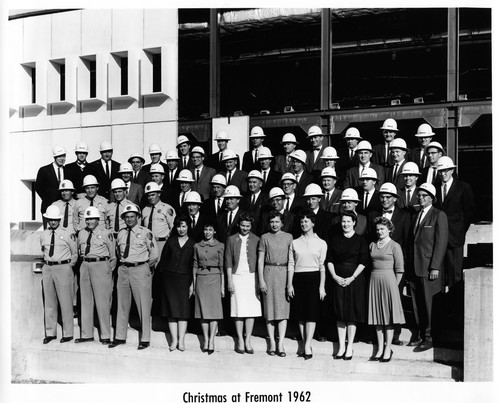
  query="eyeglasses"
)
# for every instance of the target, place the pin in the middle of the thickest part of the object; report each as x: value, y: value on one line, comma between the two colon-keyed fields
x: 423, y: 195
x: 135, y: 162
x: 287, y: 184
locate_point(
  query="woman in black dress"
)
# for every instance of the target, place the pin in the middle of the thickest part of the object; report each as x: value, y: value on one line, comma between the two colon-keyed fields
x: 347, y: 257
x: 176, y: 266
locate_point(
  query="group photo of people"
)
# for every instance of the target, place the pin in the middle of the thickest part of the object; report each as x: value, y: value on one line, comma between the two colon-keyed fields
x: 322, y: 241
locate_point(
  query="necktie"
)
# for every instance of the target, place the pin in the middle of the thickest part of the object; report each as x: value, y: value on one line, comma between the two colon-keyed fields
x: 183, y: 197
x: 253, y: 199
x: 264, y: 176
x: 386, y: 157
x: 150, y: 222
x: 418, y: 220
x: 66, y: 211
x: 352, y: 154
x: 229, y: 177
x: 422, y: 160
x: 327, y: 198
x: 135, y: 177
x: 287, y: 207
x: 127, y: 245
x: 219, y: 205
x: 91, y: 202
x: 197, y: 175
x: 193, y: 221
x: 395, y: 173
x: 254, y: 156
x: 445, y: 191
x: 297, y: 177
x: 434, y: 169
x: 52, y: 241
x: 107, y: 169
x: 184, y: 164
x: 87, y: 247
x: 171, y: 177
x: 408, y: 197
x: 230, y: 219
x: 59, y: 174
x: 288, y: 162
x: 365, y: 205
x: 117, y: 217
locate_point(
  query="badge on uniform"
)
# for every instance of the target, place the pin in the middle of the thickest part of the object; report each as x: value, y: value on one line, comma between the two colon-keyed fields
x: 61, y: 237
x: 170, y: 212
x: 159, y: 210
x: 99, y: 236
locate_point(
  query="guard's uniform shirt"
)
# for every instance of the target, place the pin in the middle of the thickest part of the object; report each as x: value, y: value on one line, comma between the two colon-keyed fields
x: 79, y: 210
x: 163, y: 219
x: 111, y: 215
x: 62, y: 207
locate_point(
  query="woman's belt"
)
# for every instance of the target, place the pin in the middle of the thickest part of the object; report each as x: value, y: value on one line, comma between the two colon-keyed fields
x: 275, y: 264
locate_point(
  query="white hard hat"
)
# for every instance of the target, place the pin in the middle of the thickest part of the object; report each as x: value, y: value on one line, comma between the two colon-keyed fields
x: 57, y: 151
x: 232, y: 191
x: 92, y: 212
x: 222, y: 135
x: 388, y: 187
x: 424, y: 130
x: 410, y: 168
x: 219, y: 179
x: 434, y: 144
x: 390, y: 124
x: 193, y: 197
x: 126, y: 167
x: 352, y: 133
x: 257, y: 132
x: 289, y: 138
x: 329, y: 172
x: 172, y: 155
x: 130, y: 208
x: 329, y: 153
x: 198, y: 150
x: 314, y: 131
x: 228, y: 154
x: 105, y: 146
x: 399, y: 143
x: 136, y: 155
x: 255, y: 174
x: 185, y: 176
x: 313, y: 190
x: 445, y: 163
x: 181, y: 140
x: 66, y: 184
x: 90, y: 180
x: 156, y: 169
x: 276, y: 192
x: 81, y: 147
x: 52, y: 213
x: 264, y: 153
x: 288, y: 176
x: 118, y: 184
x: 429, y: 188
x: 152, y: 187
x: 154, y: 149
x: 364, y: 145
x: 299, y: 155
x: 349, y: 194
x: 369, y: 173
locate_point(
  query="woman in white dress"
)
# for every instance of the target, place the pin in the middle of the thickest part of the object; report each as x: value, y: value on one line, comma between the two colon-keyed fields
x: 241, y: 264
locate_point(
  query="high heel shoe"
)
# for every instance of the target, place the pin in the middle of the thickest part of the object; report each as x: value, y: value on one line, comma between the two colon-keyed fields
x: 386, y: 359
x: 346, y: 358
x: 339, y: 357
x: 374, y: 358
x: 308, y: 356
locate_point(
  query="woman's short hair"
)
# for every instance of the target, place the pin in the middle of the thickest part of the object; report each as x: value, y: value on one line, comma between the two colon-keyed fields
x: 210, y: 223
x: 351, y: 214
x: 245, y: 217
x: 306, y: 213
x: 274, y: 214
x: 181, y: 218
x: 384, y: 221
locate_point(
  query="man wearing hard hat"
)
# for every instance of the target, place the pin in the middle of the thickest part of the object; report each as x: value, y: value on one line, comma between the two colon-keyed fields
x: 48, y: 179
x: 283, y: 161
x: 137, y: 176
x: 59, y: 256
x: 418, y: 155
x: 381, y: 152
x: 250, y: 158
x: 184, y: 148
x: 91, y: 199
x: 105, y: 169
x: 215, y: 160
x: 114, y: 209
x: 316, y: 137
x: 201, y: 173
x: 155, y: 153
x: 76, y: 171
x: 66, y: 203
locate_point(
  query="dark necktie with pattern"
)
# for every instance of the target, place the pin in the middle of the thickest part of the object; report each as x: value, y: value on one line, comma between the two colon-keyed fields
x: 127, y: 244
x: 87, y: 247
x: 117, y: 217
x: 66, y: 211
x: 150, y: 222
x: 52, y: 242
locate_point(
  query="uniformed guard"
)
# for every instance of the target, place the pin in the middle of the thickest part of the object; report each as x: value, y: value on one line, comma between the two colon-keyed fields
x: 66, y: 203
x: 59, y: 254
x: 158, y: 216
x: 91, y: 199
x: 114, y: 209
x: 96, y: 248
x: 138, y: 253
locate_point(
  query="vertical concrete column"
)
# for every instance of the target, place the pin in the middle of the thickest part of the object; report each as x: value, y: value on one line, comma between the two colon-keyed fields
x: 214, y: 63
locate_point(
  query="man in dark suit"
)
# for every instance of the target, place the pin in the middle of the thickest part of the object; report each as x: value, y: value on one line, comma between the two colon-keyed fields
x: 348, y: 157
x: 178, y: 199
x: 398, y: 152
x: 277, y: 204
x: 215, y: 160
x: 227, y: 221
x: 427, y: 249
x: 197, y: 218
x: 283, y: 161
x: 455, y: 198
x: 367, y: 192
x: 202, y: 174
x: 234, y: 176
x: 424, y: 137
x: 365, y: 153
x: 105, y: 169
x: 48, y: 179
x: 434, y: 151
x: 76, y: 171
x: 155, y: 154
x: 214, y: 205
x: 184, y: 148
x: 256, y: 199
x: 135, y: 191
x: 407, y: 194
x: 318, y: 143
x: 138, y: 175
x: 292, y: 202
x: 172, y: 171
x: 331, y: 195
x: 270, y: 177
x: 381, y: 152
x: 250, y: 161
x: 299, y: 163
x: 323, y: 224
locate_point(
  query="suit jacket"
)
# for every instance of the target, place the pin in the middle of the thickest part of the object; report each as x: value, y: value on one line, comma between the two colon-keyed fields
x: 190, y: 163
x: 413, y: 207
x: 147, y: 168
x: 97, y: 170
x: 256, y: 208
x: 459, y: 208
x: 414, y: 156
x: 333, y: 205
x: 324, y: 224
x: 379, y: 156
x: 238, y: 179
x: 223, y: 230
x: 352, y: 176
x: 213, y: 161
x: 135, y: 194
x: 281, y: 166
x: 298, y: 204
x: 174, y: 201
x: 233, y: 249
x: 402, y: 227
x: 427, y: 243
x: 248, y: 163
x: 47, y: 185
x: 389, y: 171
x: 374, y: 203
x: 209, y: 208
x: 312, y: 165
x: 75, y: 174
x: 203, y: 185
x: 305, y: 180
x: 196, y: 233
x: 436, y: 182
x: 142, y: 178
x: 272, y: 180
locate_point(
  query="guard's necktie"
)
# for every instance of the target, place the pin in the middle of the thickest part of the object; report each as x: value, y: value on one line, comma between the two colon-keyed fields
x: 91, y: 202
x: 117, y: 217
x: 107, y: 169
x: 59, y: 174
x: 150, y: 222
x: 66, y: 213
x: 87, y: 247
x: 408, y: 197
x: 127, y: 244
x: 52, y: 242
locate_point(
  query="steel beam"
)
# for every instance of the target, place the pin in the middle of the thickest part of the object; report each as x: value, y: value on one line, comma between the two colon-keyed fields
x: 326, y: 58
x: 214, y: 96
x: 452, y: 83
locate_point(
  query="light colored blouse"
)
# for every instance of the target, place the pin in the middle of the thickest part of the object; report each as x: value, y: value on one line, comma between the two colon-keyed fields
x: 307, y: 254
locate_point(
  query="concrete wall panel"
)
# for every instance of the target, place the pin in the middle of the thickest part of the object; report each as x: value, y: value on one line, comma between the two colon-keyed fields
x: 67, y: 138
x: 66, y: 25
x: 37, y: 150
x: 96, y: 31
x: 164, y: 134
x: 94, y: 136
x: 126, y: 140
x: 37, y: 38
x: 160, y: 27
x: 127, y: 30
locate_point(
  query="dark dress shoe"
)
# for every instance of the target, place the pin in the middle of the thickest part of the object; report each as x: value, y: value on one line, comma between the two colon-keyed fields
x: 397, y: 342
x: 272, y: 353
x: 239, y: 350
x: 210, y: 351
x: 308, y: 356
x: 300, y: 354
x: 281, y: 354
x: 249, y: 350
x: 84, y: 340
x: 143, y: 345
x: 346, y: 358
x: 65, y: 339
x: 424, y: 346
x: 339, y: 357
x: 414, y: 342
x: 116, y: 342
x: 106, y: 341
x: 204, y: 350
x: 48, y: 339
x: 386, y: 359
x: 374, y: 358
